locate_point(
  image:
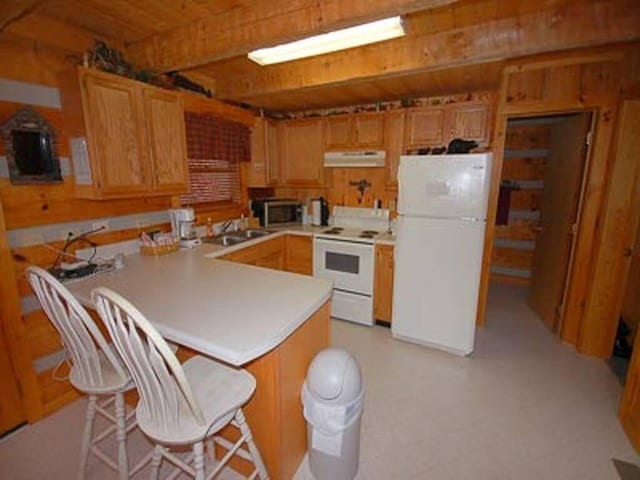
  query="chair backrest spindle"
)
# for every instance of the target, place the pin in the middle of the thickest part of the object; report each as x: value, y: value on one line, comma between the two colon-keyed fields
x: 80, y: 335
x: 159, y: 377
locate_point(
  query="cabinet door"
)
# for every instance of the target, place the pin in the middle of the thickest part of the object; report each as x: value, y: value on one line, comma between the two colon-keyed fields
x: 164, y: 122
x: 338, y: 132
x: 368, y: 130
x: 299, y: 254
x: 117, y: 144
x: 301, y: 152
x: 383, y: 285
x: 394, y: 136
x: 467, y: 121
x: 424, y: 128
x: 272, y: 155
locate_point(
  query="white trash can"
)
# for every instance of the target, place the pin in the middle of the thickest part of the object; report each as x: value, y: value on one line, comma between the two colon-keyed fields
x: 332, y: 397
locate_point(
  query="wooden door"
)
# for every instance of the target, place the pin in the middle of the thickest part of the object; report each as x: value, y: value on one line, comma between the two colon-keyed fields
x: 11, y: 407
x: 424, y: 128
x: 117, y: 144
x: 368, y: 130
x: 558, y: 217
x: 338, y: 132
x: 164, y: 122
x: 467, y: 121
x: 302, y: 152
x: 383, y: 285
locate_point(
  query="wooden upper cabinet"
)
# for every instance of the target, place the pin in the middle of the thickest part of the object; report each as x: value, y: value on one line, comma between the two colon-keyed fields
x: 134, y: 132
x: 437, y: 126
x: 273, y: 154
x: 424, y: 127
x: 468, y: 121
x: 164, y: 118
x: 301, y: 152
x: 354, y: 131
x: 117, y: 147
x: 368, y: 129
x: 257, y: 174
x: 263, y: 169
x: 338, y: 132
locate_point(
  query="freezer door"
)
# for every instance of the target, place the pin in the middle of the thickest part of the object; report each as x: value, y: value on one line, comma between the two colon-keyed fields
x: 444, y: 186
x: 436, y: 281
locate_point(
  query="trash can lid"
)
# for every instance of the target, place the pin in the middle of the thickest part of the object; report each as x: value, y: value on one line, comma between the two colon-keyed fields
x: 334, y: 375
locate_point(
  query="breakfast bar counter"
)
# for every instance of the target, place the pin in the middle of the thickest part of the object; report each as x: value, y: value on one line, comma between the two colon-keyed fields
x: 270, y: 322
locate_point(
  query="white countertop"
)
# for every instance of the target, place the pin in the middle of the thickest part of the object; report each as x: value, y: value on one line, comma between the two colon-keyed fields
x: 229, y: 311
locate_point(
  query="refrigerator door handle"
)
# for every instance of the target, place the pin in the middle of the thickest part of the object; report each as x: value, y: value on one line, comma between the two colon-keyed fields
x: 436, y: 217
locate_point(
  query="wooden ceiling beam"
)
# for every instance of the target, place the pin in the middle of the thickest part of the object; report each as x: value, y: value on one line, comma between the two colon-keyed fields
x: 264, y: 24
x: 57, y: 34
x: 559, y: 27
x: 13, y: 10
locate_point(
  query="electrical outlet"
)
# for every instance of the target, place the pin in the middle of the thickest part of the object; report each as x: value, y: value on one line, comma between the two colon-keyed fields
x: 31, y: 238
x: 102, y: 225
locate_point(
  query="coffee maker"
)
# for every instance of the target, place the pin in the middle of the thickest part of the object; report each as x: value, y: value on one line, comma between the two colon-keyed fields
x: 183, y: 227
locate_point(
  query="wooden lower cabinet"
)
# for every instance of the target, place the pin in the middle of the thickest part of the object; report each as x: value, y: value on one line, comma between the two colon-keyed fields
x: 268, y: 254
x: 383, y: 284
x: 299, y: 257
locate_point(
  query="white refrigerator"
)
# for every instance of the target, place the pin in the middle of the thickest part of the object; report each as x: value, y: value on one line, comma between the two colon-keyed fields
x: 442, y: 211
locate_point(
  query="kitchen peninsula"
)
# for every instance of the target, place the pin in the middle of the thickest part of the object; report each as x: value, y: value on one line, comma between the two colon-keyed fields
x: 270, y: 322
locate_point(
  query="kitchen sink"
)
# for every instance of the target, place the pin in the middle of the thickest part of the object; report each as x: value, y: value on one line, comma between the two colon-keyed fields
x: 233, y: 238
x: 253, y: 233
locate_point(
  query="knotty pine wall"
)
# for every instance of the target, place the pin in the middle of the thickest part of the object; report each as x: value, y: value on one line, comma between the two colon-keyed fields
x: 39, y: 214
x: 523, y: 168
x: 596, y: 80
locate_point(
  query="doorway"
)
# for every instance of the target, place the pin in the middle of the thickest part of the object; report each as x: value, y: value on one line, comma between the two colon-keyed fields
x: 543, y: 171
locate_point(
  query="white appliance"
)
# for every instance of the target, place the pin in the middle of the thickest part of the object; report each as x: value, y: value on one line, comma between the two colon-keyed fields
x: 442, y: 210
x: 368, y: 158
x: 183, y: 226
x: 345, y: 254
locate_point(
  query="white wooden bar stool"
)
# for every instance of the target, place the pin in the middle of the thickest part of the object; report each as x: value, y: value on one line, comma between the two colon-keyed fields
x: 96, y: 370
x: 180, y: 404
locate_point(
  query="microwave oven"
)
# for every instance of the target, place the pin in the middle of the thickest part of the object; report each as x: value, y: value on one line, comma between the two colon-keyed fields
x: 274, y: 212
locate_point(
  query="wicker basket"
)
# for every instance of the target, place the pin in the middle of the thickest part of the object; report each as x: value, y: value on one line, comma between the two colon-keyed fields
x: 159, y: 249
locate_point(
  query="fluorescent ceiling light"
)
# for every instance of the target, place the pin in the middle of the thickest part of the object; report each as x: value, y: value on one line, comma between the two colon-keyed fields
x: 359, y: 35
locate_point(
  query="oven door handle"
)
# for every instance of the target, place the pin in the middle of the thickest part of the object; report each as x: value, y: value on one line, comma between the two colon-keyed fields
x: 337, y: 242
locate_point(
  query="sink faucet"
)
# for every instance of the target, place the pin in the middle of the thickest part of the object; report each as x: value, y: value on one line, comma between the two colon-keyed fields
x: 226, y: 225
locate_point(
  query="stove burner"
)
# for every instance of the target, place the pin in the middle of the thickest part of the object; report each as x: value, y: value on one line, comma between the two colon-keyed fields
x: 333, y: 231
x: 365, y: 235
x: 369, y: 232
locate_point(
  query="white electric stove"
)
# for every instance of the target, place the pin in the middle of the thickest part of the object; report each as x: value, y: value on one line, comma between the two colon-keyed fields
x: 345, y: 254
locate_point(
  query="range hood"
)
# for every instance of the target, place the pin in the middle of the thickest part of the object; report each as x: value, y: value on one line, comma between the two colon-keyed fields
x: 363, y: 158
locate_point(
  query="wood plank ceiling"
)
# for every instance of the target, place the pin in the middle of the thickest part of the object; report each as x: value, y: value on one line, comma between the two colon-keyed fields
x: 450, y: 47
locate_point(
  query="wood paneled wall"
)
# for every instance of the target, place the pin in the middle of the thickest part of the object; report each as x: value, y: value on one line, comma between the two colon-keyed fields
x: 344, y: 194
x: 578, y: 81
x: 30, y: 336
x: 523, y: 169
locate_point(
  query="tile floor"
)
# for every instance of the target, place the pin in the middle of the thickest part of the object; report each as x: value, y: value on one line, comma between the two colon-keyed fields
x: 524, y: 406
